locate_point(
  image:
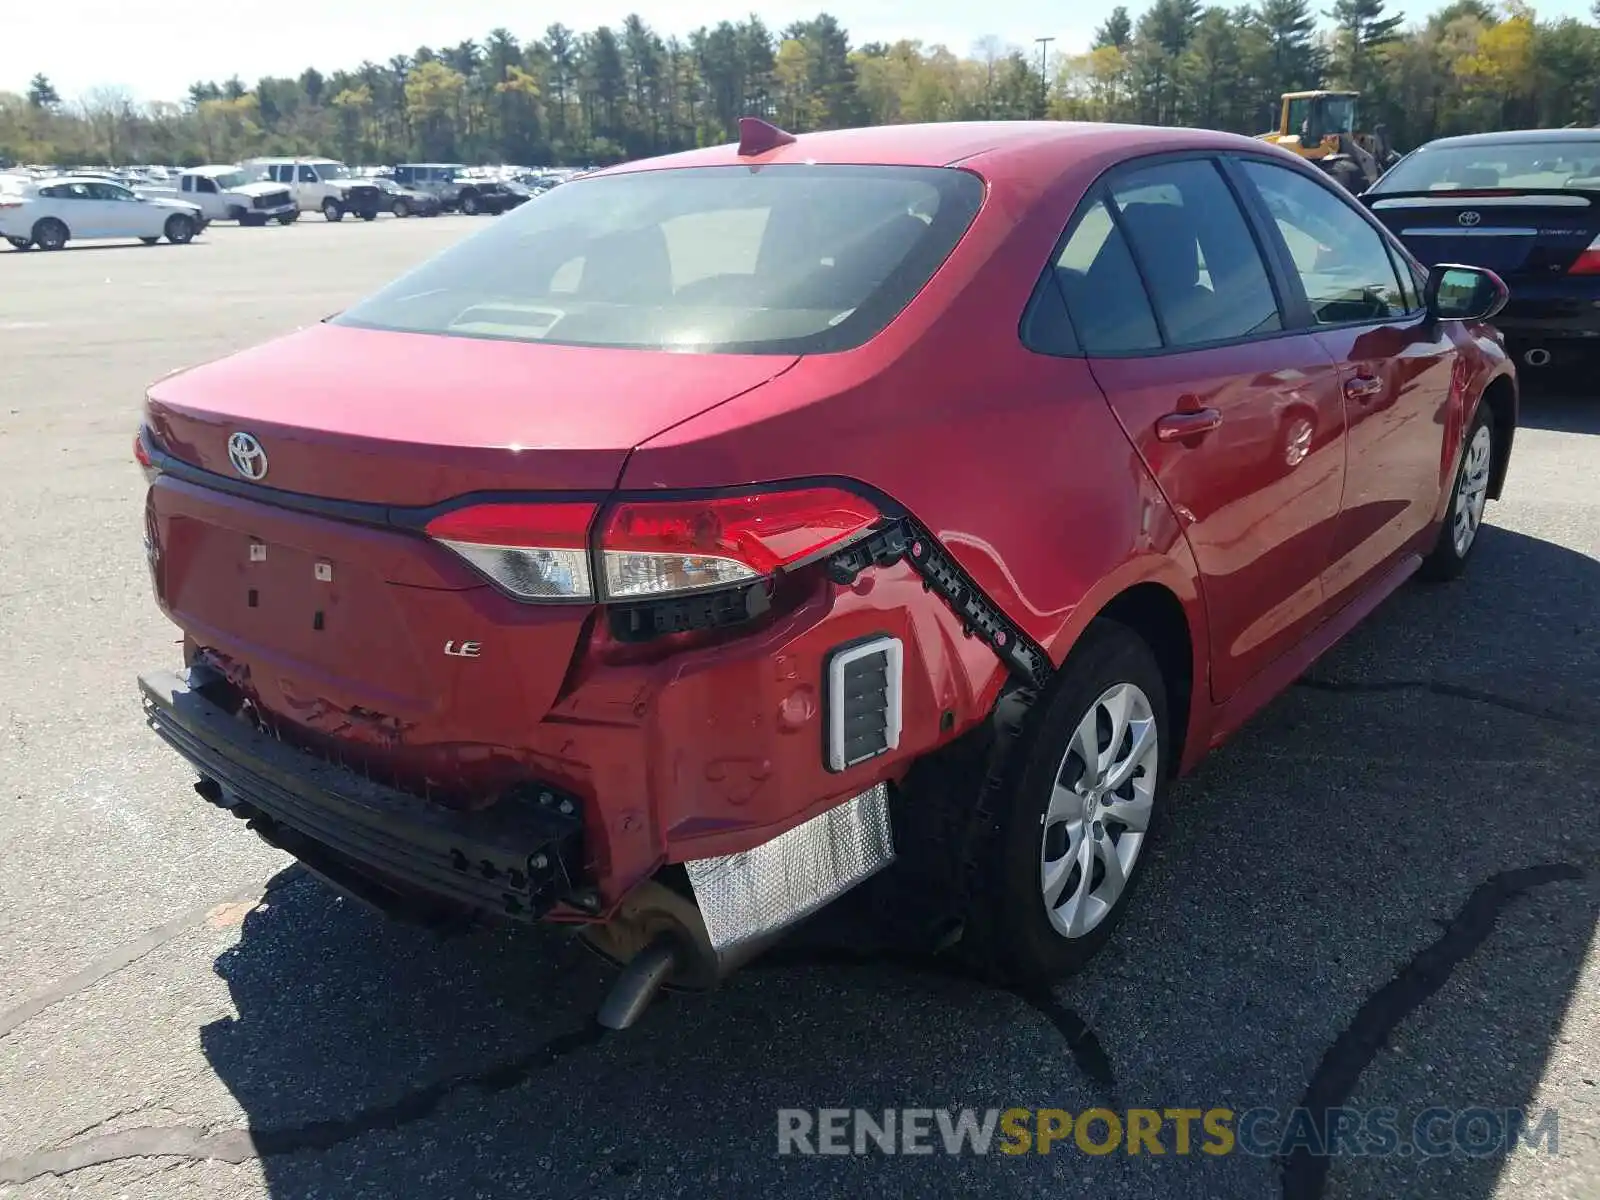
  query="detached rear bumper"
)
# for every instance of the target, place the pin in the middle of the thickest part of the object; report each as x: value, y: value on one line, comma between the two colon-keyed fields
x: 517, y: 860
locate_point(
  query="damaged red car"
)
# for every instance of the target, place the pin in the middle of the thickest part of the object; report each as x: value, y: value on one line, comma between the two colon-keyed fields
x: 688, y: 546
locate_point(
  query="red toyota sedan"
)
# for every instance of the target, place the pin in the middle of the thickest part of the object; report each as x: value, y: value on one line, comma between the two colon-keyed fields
x: 695, y: 542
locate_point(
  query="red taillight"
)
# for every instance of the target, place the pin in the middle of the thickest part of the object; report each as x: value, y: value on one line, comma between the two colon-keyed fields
x: 533, y: 551
x: 141, y: 455
x: 654, y: 547
x: 650, y: 547
x: 1587, y: 263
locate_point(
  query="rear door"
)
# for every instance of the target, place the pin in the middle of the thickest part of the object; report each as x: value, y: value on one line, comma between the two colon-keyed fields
x: 1238, y: 417
x: 1397, y: 367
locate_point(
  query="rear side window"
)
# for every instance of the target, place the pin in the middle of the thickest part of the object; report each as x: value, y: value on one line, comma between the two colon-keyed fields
x: 1343, y: 262
x: 1196, y: 253
x: 783, y: 259
x: 1105, y: 296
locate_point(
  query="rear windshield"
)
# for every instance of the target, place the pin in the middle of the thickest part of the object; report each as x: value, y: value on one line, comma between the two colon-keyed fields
x: 1541, y: 164
x: 785, y: 259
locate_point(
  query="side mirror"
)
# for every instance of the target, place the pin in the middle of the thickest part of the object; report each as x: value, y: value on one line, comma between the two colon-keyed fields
x: 1457, y: 293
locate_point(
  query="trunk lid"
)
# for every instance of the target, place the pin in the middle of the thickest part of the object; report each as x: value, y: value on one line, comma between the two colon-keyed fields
x: 1526, y: 233
x: 360, y: 636
x: 412, y: 419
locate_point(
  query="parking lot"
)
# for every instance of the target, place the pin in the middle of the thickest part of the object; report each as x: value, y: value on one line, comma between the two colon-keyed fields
x: 1384, y: 894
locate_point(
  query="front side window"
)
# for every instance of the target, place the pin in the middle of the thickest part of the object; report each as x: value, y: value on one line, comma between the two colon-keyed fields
x: 1343, y: 262
x: 208, y: 186
x: 1196, y: 254
x: 326, y: 171
x: 307, y: 174
x: 784, y: 259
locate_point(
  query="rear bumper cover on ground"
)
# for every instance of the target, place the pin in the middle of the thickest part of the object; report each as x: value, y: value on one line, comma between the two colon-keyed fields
x: 518, y: 859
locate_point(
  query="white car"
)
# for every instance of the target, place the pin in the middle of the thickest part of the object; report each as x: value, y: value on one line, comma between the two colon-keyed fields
x: 223, y: 194
x: 49, y: 213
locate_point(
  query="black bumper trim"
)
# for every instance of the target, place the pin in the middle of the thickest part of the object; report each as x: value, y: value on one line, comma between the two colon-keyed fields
x: 517, y: 859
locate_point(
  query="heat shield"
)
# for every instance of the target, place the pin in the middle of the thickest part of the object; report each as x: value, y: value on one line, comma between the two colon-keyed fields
x: 757, y: 892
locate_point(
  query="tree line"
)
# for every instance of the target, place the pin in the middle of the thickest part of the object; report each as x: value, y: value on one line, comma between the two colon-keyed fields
x: 616, y: 93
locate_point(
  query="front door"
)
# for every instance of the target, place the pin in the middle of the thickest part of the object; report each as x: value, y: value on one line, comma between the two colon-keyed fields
x: 1240, y: 421
x: 1397, y: 368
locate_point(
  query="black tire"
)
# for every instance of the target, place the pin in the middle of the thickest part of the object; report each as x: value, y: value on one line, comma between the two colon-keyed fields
x: 471, y: 206
x: 180, y: 230
x: 1468, y: 497
x: 20, y: 243
x: 332, y: 210
x: 401, y: 209
x: 288, y: 218
x: 253, y: 220
x: 50, y: 234
x: 1010, y: 930
x: 149, y: 241
x: 370, y: 216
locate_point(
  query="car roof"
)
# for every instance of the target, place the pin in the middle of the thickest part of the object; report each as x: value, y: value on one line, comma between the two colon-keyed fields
x: 77, y: 178
x: 1514, y: 137
x: 210, y: 169
x: 992, y: 146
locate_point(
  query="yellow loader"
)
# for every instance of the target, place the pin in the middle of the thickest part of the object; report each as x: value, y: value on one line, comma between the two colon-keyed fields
x: 1321, y: 127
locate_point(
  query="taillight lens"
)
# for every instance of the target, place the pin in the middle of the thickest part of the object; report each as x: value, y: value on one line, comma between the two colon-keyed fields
x: 141, y: 455
x: 651, y: 547
x: 1588, y: 263
x: 655, y: 547
x: 533, y: 551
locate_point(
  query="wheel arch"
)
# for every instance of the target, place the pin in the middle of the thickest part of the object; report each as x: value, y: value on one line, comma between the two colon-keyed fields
x: 1154, y: 612
x: 1500, y: 394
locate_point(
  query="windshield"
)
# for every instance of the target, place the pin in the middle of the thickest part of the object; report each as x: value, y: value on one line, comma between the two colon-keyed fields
x: 332, y: 171
x: 1541, y: 164
x: 230, y: 179
x: 776, y: 260
x: 1339, y: 114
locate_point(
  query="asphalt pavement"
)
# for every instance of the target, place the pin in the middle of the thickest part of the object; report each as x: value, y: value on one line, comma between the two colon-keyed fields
x: 1383, y: 894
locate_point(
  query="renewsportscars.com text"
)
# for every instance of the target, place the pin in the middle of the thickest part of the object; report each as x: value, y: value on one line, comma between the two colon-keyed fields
x: 1260, y: 1132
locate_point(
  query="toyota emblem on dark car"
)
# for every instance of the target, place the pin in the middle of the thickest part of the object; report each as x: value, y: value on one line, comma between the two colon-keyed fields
x: 247, y: 456
x: 1470, y: 218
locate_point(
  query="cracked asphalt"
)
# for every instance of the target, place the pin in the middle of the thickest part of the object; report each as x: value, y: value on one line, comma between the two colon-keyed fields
x: 1384, y: 893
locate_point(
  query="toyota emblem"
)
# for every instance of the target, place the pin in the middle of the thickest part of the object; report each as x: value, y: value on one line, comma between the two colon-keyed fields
x: 247, y: 456
x: 1470, y: 218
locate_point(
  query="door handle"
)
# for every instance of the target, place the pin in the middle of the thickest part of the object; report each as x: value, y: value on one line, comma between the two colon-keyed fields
x: 1362, y: 387
x: 1181, y: 426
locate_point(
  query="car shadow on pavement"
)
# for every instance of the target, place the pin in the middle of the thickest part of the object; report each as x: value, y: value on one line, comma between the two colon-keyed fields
x: 1379, y: 895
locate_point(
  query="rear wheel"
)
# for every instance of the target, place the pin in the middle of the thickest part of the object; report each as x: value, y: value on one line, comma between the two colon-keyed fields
x: 1086, y: 789
x: 150, y: 241
x: 50, y: 234
x: 401, y: 209
x: 288, y: 218
x: 370, y: 216
x: 471, y: 206
x: 332, y: 210
x: 1459, y: 532
x: 179, y: 229
x: 20, y: 243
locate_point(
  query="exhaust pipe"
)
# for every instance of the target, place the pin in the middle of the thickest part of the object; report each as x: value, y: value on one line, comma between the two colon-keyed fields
x: 1537, y: 357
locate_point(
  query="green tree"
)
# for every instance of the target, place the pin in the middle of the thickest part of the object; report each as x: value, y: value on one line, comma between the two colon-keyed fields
x: 42, y: 93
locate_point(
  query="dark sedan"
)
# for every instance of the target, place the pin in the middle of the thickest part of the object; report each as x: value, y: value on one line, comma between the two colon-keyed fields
x: 1525, y: 204
x: 495, y: 196
x: 409, y: 202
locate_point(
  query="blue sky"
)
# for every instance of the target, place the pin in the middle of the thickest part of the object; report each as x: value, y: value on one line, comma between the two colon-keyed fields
x: 145, y: 47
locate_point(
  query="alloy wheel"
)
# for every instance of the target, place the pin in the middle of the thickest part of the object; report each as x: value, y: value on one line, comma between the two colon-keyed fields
x: 1100, y: 810
x: 1473, y: 491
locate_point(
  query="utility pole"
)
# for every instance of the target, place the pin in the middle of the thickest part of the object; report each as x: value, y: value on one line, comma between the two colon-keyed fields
x: 1044, y: 47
